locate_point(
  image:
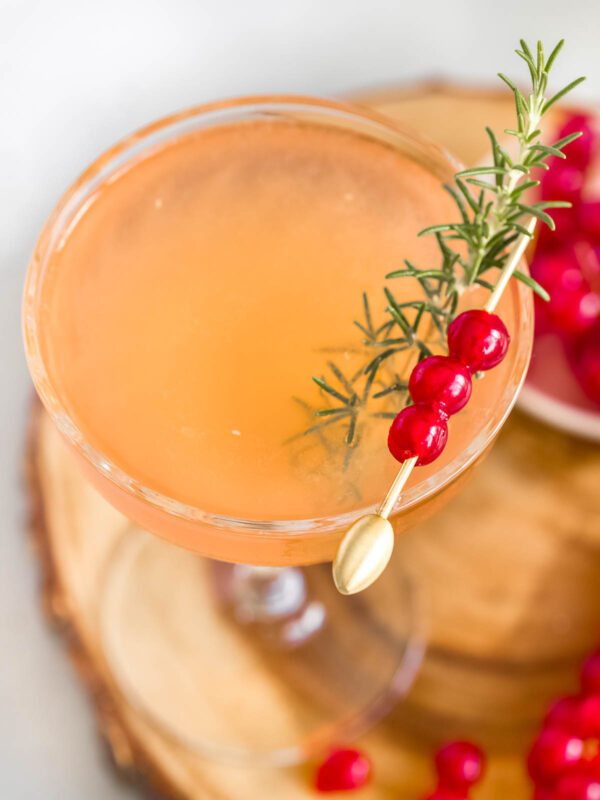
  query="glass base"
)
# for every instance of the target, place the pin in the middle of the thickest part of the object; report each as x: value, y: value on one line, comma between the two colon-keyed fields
x: 251, y: 664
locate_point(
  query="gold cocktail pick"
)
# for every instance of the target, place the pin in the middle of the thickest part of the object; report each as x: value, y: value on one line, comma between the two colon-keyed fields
x: 367, y: 547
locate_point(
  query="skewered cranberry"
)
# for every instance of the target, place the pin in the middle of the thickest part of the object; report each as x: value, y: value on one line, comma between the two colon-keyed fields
x: 441, y: 382
x: 478, y: 339
x: 418, y: 430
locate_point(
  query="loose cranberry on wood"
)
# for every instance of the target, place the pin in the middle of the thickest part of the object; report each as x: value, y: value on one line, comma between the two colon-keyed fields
x: 459, y: 765
x: 342, y: 770
x: 577, y: 787
x: 553, y: 753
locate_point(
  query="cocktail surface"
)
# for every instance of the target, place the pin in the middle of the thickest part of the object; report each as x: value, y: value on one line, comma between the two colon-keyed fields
x: 187, y: 307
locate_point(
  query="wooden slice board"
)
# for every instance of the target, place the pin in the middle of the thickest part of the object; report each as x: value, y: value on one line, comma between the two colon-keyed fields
x: 511, y: 569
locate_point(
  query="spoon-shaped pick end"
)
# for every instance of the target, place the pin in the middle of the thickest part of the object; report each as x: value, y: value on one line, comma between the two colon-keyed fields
x: 363, y: 554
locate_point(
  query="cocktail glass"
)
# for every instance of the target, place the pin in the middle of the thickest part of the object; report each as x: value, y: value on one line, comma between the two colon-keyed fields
x: 235, y: 642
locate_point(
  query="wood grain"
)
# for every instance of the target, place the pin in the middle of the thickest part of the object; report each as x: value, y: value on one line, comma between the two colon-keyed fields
x: 510, y: 567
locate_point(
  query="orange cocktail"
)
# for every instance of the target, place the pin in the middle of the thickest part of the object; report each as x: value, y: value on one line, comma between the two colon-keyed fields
x: 179, y: 300
x: 193, y: 282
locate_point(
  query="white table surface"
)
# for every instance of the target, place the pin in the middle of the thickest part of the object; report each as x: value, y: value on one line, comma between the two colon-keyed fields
x: 77, y: 75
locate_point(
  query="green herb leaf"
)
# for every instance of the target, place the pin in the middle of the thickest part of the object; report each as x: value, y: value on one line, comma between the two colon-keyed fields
x: 533, y: 284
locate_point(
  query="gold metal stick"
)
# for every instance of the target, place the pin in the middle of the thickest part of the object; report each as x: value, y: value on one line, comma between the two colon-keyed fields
x: 367, y: 547
x: 509, y: 267
x: 394, y: 491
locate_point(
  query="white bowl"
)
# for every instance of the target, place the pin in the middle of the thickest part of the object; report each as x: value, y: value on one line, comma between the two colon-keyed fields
x: 552, y: 395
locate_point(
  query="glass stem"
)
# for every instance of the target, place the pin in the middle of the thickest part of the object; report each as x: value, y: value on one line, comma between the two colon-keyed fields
x: 261, y: 594
x: 275, y: 601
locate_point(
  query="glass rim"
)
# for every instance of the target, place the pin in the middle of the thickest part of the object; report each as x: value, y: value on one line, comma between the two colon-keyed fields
x: 142, y: 143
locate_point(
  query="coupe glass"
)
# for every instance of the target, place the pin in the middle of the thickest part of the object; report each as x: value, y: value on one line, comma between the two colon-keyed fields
x: 272, y: 663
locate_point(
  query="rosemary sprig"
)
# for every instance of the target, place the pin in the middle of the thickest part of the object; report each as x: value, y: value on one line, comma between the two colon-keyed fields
x: 492, y: 210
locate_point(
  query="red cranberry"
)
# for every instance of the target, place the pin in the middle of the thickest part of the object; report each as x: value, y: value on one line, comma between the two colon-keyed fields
x: 552, y: 754
x: 589, y: 218
x: 590, y: 674
x: 442, y: 793
x: 577, y: 787
x: 459, y: 765
x: 442, y: 382
x: 585, y: 360
x: 557, y: 271
x: 565, y: 228
x: 587, y: 254
x: 580, y: 151
x: 342, y: 770
x: 542, y: 323
x: 418, y: 430
x: 573, y: 311
x: 561, y: 713
x: 586, y: 717
x: 478, y: 339
x: 563, y: 181
x: 543, y: 793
